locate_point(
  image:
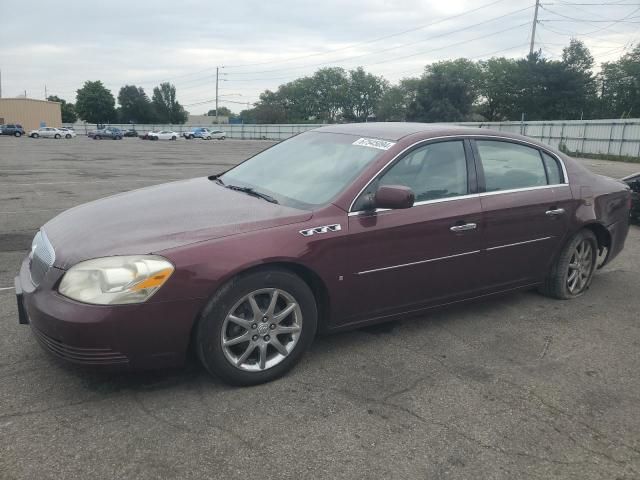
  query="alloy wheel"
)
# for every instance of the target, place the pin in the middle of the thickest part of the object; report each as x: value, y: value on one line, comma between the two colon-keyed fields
x: 580, y: 267
x: 261, y: 329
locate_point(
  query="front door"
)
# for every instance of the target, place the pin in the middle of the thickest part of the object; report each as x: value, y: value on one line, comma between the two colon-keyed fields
x: 403, y: 260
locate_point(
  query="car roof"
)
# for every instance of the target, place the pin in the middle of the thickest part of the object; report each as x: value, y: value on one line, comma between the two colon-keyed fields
x: 394, y: 131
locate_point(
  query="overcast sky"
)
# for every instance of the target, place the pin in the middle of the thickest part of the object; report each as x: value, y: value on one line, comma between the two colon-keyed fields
x: 262, y: 44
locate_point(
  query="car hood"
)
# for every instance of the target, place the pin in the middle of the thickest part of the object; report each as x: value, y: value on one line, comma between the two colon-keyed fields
x: 157, y: 218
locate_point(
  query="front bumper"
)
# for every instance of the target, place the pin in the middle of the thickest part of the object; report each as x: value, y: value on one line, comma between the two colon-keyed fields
x: 140, y: 336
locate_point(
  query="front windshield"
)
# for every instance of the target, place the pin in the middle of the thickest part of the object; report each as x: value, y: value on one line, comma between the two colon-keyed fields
x: 305, y: 171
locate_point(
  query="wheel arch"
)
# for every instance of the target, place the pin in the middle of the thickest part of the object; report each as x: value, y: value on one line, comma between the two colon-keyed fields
x: 309, y: 276
x: 603, y: 237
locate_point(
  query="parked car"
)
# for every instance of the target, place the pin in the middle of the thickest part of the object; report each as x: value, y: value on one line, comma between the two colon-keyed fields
x: 69, y: 132
x: 163, y: 135
x: 14, y: 129
x: 50, y: 132
x: 132, y: 132
x: 108, y: 132
x: 146, y: 135
x: 335, y: 228
x: 634, y: 183
x: 205, y: 134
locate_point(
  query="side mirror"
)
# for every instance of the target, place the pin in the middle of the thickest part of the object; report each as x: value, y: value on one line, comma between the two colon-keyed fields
x: 635, y: 186
x: 393, y: 197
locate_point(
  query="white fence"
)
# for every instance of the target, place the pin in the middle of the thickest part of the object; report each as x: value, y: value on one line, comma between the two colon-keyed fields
x: 609, y: 137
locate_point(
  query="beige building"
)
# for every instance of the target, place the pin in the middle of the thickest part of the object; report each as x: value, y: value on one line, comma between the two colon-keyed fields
x: 30, y: 113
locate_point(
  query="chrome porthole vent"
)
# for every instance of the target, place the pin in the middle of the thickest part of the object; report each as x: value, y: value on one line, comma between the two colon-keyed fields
x: 336, y: 227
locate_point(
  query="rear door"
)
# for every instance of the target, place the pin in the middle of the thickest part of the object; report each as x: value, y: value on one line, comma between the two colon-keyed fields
x: 526, y: 203
x: 403, y: 260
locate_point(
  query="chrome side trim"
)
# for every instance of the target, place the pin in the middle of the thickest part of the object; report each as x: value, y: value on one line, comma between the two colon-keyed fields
x: 488, y: 137
x: 472, y: 195
x: 393, y: 267
x: 519, y: 243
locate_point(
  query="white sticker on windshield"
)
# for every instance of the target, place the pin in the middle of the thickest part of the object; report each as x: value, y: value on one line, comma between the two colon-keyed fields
x: 374, y: 143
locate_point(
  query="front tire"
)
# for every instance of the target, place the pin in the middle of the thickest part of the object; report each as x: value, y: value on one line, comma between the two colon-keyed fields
x: 573, y: 270
x: 256, y: 327
x: 97, y: 137
x: 17, y: 134
x: 173, y: 138
x: 35, y: 135
x: 67, y: 136
x: 57, y: 136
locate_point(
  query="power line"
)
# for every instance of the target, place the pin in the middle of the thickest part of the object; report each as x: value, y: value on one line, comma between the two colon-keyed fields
x: 440, y: 35
x: 421, y: 27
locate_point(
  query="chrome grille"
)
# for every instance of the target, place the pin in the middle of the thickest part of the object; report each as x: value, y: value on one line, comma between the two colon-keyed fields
x: 41, y: 257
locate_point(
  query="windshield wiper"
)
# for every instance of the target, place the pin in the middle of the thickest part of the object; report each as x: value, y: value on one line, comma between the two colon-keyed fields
x: 250, y: 191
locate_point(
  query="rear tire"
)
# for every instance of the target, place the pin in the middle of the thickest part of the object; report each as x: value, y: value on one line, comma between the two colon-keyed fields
x: 572, y: 272
x: 17, y: 134
x: 273, y: 345
x: 57, y: 136
x: 67, y: 136
x: 173, y: 138
x: 97, y: 137
x: 35, y: 135
x: 222, y: 137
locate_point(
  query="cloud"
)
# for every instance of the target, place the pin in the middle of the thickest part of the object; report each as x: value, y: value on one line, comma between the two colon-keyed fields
x: 263, y: 44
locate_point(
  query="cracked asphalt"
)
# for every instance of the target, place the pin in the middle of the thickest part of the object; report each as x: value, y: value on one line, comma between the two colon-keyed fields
x: 517, y: 387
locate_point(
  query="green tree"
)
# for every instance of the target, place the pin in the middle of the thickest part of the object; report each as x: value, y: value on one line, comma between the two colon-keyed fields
x: 393, y: 105
x: 363, y: 94
x: 94, y: 103
x: 330, y: 86
x: 578, y: 57
x: 167, y: 109
x: 550, y: 90
x: 497, y: 89
x: 446, y: 92
x: 68, y: 109
x: 620, y: 86
x: 135, y: 106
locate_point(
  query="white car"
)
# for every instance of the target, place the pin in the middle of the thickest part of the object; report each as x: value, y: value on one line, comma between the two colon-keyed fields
x: 50, y: 132
x: 205, y: 134
x: 163, y: 135
x: 68, y: 132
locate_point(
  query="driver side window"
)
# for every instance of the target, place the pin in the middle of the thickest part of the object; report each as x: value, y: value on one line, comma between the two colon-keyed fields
x: 435, y: 171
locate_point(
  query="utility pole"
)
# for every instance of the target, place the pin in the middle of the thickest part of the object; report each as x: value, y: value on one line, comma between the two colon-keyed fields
x: 533, y: 28
x: 217, y: 95
x: 45, y: 92
x: 0, y: 83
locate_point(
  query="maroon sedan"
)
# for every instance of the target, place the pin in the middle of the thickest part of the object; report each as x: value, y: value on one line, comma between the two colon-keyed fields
x: 336, y: 228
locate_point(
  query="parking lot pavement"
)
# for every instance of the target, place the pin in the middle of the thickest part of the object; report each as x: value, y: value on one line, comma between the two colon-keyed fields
x: 517, y: 387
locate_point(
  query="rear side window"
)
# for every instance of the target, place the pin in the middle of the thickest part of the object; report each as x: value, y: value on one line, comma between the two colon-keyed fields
x: 554, y: 172
x: 509, y: 165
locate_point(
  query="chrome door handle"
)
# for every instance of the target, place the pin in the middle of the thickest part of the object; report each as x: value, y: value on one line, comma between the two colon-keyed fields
x: 554, y: 212
x: 463, y: 228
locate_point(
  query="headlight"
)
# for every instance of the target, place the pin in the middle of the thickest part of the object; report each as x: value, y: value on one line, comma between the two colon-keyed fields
x: 116, y: 280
